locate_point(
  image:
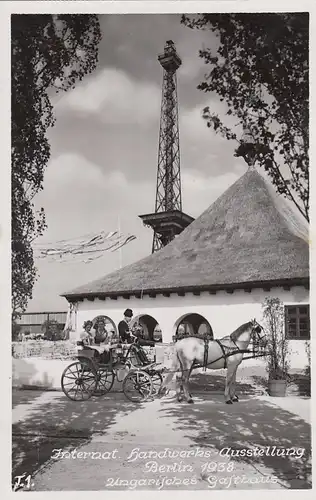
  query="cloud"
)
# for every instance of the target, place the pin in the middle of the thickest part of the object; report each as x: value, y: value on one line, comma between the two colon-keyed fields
x: 115, y: 97
x: 202, y: 149
x: 79, y: 199
x: 194, y: 126
x: 191, y: 42
x: 200, y: 191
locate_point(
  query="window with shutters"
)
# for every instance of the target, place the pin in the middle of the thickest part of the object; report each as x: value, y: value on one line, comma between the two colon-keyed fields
x: 297, y: 322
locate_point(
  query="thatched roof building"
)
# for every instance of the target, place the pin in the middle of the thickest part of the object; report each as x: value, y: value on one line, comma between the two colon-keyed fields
x: 249, y: 237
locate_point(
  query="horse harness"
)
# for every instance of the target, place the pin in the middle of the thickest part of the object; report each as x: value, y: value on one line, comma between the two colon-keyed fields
x: 225, y: 354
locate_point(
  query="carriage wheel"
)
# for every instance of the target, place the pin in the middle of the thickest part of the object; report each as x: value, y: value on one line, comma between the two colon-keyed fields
x: 156, y: 379
x: 105, y: 381
x: 79, y: 381
x: 137, y: 386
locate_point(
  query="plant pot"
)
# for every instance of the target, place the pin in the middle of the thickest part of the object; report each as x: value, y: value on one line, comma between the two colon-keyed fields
x: 277, y: 388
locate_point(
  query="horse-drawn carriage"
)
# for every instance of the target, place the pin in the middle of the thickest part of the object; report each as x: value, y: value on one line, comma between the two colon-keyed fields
x: 97, y: 367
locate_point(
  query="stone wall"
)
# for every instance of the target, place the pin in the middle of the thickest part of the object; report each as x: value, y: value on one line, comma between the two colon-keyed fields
x: 63, y: 349
x: 41, y: 364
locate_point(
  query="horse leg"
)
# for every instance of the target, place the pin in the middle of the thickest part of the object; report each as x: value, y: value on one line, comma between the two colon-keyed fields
x: 188, y: 380
x: 186, y: 375
x: 229, y: 377
x: 179, y: 381
x: 233, y: 396
x: 164, y: 386
x: 179, y: 387
x: 173, y: 369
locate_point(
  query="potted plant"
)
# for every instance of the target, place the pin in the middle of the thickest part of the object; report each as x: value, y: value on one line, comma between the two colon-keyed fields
x: 307, y: 371
x: 308, y: 355
x: 277, y: 348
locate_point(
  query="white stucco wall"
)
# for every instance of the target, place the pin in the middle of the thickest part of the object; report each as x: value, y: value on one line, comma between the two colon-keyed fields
x: 225, y: 312
x: 42, y: 373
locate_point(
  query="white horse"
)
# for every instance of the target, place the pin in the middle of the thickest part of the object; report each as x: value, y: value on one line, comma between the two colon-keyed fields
x: 227, y: 352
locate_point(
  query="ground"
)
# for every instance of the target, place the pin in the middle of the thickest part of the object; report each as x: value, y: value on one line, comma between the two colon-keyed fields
x: 47, y: 424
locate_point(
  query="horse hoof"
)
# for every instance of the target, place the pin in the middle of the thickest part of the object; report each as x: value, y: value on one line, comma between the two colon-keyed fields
x: 229, y: 402
x: 190, y: 401
x: 162, y: 390
x: 180, y: 399
x: 235, y: 399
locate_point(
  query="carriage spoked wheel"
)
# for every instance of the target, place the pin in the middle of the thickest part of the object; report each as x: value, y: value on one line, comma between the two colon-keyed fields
x: 79, y: 381
x: 105, y: 381
x: 137, y: 386
x: 156, y: 379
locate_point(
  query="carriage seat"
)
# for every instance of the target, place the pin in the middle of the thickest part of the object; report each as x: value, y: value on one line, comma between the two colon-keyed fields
x: 80, y: 343
x: 146, y: 343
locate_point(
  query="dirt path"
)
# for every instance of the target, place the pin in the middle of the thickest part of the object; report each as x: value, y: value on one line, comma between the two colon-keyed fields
x: 115, y: 439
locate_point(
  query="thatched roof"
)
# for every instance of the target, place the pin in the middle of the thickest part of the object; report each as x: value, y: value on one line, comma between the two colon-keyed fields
x: 248, y: 236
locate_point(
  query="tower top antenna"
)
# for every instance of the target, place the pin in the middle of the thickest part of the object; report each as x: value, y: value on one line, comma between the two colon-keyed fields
x: 170, y: 60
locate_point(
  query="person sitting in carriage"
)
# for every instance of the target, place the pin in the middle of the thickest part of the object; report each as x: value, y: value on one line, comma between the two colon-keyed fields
x: 125, y: 334
x: 86, y: 336
x: 101, y: 333
x: 129, y: 335
x: 103, y: 336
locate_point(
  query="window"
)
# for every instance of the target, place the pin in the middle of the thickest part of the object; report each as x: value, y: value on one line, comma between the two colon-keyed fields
x: 297, y: 322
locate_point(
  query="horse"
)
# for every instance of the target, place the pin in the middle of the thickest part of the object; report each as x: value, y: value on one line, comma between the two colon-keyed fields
x: 226, y: 352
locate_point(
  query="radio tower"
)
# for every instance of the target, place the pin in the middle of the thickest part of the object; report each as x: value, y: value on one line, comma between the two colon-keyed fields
x: 168, y: 219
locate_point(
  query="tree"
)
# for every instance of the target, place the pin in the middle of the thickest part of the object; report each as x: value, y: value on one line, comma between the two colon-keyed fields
x: 277, y: 348
x: 260, y: 70
x: 15, y: 330
x: 49, y: 53
x: 52, y: 329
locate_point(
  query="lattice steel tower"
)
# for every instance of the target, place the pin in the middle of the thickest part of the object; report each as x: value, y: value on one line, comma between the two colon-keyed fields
x: 168, y: 220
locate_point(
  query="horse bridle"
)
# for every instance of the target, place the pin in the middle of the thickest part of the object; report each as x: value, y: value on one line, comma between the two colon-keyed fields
x: 256, y: 329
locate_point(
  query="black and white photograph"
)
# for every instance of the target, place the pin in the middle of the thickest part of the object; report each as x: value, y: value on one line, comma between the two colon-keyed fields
x: 160, y: 248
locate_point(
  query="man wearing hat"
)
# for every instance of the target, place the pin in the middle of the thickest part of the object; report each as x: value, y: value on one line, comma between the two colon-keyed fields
x: 123, y: 327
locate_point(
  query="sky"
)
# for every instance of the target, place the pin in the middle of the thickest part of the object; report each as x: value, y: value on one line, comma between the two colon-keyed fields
x: 104, y: 148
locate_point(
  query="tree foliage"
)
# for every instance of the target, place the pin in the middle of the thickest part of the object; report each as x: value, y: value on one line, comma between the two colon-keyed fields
x: 277, y: 348
x: 52, y: 329
x: 260, y: 70
x: 15, y: 330
x: 49, y: 53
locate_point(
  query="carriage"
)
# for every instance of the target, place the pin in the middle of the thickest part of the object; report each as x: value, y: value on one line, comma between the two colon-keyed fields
x: 97, y: 367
